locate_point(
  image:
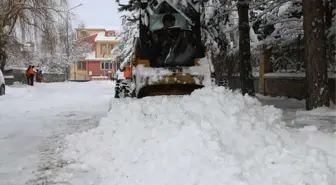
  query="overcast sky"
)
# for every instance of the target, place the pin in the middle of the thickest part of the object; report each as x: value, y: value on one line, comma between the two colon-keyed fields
x: 96, y: 13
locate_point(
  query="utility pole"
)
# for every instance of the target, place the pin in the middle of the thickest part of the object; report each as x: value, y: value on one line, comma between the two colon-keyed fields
x: 67, y: 46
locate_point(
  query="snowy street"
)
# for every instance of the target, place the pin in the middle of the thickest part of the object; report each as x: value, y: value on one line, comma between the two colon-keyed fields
x: 77, y: 134
x: 35, y: 120
x: 167, y: 92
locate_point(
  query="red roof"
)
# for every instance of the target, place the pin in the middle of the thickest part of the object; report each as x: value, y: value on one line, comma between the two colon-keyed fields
x: 89, y: 39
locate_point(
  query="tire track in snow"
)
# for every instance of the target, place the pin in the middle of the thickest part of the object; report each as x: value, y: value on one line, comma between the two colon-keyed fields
x: 51, y: 149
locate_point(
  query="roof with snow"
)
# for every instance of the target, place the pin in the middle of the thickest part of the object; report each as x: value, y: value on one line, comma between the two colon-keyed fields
x: 101, y: 37
x: 92, y: 57
x: 90, y: 29
x: 98, y: 59
x: 89, y: 38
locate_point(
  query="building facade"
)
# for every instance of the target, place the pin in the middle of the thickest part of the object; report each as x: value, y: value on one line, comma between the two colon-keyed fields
x: 99, y: 65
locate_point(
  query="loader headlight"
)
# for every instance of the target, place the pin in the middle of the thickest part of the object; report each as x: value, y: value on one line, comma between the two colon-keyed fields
x: 197, y: 62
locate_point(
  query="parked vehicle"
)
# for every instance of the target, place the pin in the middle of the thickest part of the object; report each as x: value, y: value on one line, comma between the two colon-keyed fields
x: 2, y: 84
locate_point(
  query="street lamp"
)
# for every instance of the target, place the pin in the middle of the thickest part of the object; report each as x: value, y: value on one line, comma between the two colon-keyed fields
x: 67, y: 36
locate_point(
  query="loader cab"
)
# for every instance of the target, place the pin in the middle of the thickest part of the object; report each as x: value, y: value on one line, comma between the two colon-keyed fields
x: 170, y: 34
x: 168, y: 21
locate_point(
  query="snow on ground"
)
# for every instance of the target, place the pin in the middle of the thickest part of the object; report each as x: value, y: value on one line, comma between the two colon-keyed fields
x: 321, y: 111
x: 35, y: 120
x: 212, y: 137
x: 295, y: 115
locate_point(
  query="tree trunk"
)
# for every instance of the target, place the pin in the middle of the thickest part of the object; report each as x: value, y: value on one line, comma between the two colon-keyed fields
x: 2, y: 60
x: 315, y: 51
x: 328, y: 13
x: 246, y: 77
x: 3, y: 54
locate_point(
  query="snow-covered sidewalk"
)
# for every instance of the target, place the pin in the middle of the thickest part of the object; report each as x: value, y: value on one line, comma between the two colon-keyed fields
x: 212, y: 137
x: 295, y: 115
x: 35, y: 120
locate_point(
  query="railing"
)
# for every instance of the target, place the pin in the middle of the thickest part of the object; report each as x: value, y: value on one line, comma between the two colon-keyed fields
x: 99, y: 78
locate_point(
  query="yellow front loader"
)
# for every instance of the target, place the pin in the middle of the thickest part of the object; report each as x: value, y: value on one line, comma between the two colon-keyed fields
x: 168, y: 57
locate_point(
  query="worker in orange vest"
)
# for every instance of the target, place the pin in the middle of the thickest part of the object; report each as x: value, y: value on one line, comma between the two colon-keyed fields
x: 30, y: 74
x: 128, y: 72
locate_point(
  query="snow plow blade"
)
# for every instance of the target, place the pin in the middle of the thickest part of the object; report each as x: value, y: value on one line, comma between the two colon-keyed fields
x: 168, y: 89
x: 174, y: 84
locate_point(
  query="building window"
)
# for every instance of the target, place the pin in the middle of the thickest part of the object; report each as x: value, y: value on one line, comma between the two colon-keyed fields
x: 81, y: 65
x: 110, y: 48
x: 106, y: 65
x: 83, y: 33
x: 103, y: 49
x: 110, y: 33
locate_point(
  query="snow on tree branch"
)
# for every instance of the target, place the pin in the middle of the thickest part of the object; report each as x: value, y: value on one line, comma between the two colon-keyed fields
x: 128, y: 36
x: 24, y: 21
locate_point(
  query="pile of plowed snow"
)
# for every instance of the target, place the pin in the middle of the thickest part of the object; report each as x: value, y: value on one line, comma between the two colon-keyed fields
x: 212, y: 137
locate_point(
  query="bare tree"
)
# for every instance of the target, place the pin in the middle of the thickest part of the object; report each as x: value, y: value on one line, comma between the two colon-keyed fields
x: 57, y: 59
x: 315, y: 54
x: 25, y: 14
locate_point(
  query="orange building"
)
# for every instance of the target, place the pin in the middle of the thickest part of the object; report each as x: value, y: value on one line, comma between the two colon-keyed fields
x: 99, y: 65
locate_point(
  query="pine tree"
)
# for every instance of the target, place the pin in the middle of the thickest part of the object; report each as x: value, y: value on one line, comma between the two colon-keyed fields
x: 130, y: 6
x: 128, y: 33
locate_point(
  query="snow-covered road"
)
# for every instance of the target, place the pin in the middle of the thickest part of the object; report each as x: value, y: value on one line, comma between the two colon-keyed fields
x: 35, y: 120
x: 62, y: 134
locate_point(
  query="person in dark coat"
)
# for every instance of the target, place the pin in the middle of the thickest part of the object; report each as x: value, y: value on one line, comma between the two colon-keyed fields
x: 38, y: 75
